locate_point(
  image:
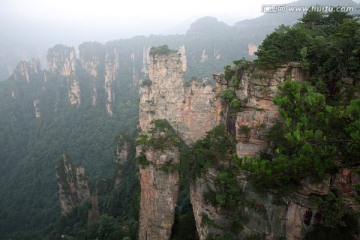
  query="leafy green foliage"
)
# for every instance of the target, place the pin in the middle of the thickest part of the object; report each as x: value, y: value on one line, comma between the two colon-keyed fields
x: 233, y: 74
x: 228, y: 95
x: 315, y: 138
x: 142, y: 161
x: 214, y: 148
x: 281, y: 46
x: 243, y: 64
x: 160, y: 50
x: 332, y: 210
x: 326, y: 44
x: 160, y: 137
x: 244, y: 129
x: 335, y: 222
x: 228, y: 195
x: 146, y: 82
x: 230, y: 99
x: 229, y: 72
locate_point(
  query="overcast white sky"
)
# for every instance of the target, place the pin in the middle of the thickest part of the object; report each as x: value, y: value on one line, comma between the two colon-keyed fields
x: 126, y: 18
x: 136, y: 11
x: 165, y: 13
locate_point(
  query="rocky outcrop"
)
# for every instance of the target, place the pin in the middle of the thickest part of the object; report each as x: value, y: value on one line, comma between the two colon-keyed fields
x: 263, y: 217
x: 185, y: 108
x: 159, y: 189
x: 75, y: 93
x: 192, y: 108
x: 26, y: 70
x: 159, y: 193
x: 62, y: 60
x: 260, y: 113
x: 73, y: 185
x: 267, y: 218
x: 112, y: 64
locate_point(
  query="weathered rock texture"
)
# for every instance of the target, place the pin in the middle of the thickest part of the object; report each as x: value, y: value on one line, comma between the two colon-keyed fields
x: 260, y: 113
x: 73, y: 185
x: 191, y: 111
x: 88, y: 79
x: 62, y: 60
x: 27, y: 69
x: 159, y: 193
x: 296, y: 214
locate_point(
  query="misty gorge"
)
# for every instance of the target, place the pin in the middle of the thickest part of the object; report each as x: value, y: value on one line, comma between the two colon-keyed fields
x: 248, y: 131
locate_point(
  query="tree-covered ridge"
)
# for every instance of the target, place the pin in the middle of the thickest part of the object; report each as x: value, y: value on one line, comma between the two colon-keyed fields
x: 318, y: 133
x: 327, y: 45
x: 320, y: 118
x: 314, y: 139
x: 319, y: 130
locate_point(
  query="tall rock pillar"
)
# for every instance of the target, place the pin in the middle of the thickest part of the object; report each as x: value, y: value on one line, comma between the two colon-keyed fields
x: 159, y: 100
x: 168, y: 111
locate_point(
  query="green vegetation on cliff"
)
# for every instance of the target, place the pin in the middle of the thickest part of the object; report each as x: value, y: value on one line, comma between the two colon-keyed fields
x: 314, y: 139
x: 161, y: 136
x: 319, y: 129
x: 320, y: 118
x: 327, y: 45
x: 216, y: 147
x: 160, y: 50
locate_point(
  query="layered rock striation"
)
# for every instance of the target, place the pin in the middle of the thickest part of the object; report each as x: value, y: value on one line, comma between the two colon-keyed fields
x: 192, y: 108
x: 264, y: 215
x: 184, y: 108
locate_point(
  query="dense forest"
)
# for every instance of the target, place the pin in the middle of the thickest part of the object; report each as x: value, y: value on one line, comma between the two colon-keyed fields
x: 30, y: 145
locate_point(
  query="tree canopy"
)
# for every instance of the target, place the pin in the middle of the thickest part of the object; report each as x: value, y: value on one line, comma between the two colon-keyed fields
x: 327, y: 45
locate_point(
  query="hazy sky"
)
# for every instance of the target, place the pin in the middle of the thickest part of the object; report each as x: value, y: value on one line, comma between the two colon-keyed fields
x: 101, y: 20
x: 136, y: 11
x: 140, y: 15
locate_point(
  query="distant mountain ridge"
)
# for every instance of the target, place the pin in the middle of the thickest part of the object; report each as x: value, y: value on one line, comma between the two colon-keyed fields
x: 244, y: 32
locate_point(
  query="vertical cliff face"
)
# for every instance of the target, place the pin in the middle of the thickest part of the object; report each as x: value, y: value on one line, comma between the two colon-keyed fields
x: 260, y: 113
x: 192, y: 108
x: 185, y: 108
x: 73, y: 185
x: 164, y: 98
x: 26, y: 70
x: 159, y: 189
x: 201, y: 110
x: 112, y: 65
x: 295, y: 215
x: 62, y: 60
x: 159, y: 193
x: 102, y: 66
